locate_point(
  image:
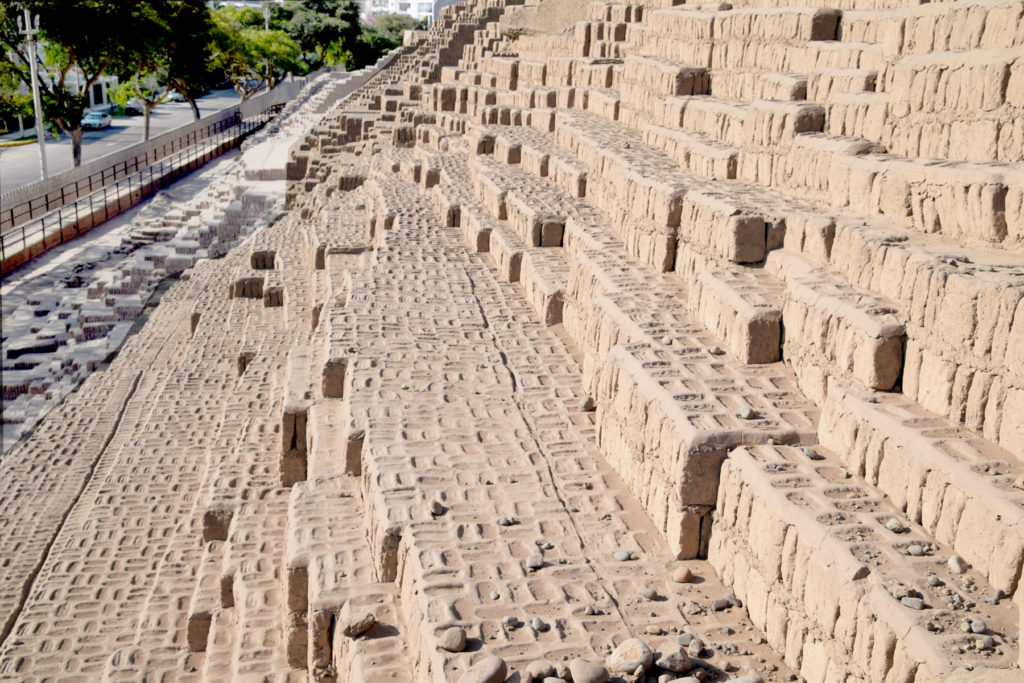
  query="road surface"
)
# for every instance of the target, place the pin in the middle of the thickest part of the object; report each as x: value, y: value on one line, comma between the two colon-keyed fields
x: 20, y: 165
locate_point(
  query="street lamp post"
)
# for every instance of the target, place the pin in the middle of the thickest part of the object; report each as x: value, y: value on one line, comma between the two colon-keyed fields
x: 27, y: 30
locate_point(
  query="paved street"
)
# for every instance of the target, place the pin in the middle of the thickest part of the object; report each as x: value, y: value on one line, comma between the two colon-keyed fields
x: 20, y: 165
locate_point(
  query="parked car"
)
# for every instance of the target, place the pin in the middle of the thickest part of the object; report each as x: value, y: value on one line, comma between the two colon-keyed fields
x: 96, y: 120
x: 135, y: 107
x: 175, y: 96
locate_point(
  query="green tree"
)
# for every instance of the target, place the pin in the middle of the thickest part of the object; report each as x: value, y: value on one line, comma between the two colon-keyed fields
x: 13, y: 104
x: 82, y: 40
x: 250, y: 58
x: 185, y: 60
x: 322, y: 28
x: 379, y: 38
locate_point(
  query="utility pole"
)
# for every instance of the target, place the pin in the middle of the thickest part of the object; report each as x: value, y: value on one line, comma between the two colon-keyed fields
x: 26, y: 29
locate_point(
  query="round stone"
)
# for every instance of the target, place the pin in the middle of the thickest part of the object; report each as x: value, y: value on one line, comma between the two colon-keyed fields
x: 539, y: 669
x: 956, y: 564
x: 989, y: 642
x: 630, y: 655
x: 622, y: 555
x: 487, y: 670
x: 677, y: 662
x: 587, y: 672
x: 684, y: 639
x: 978, y: 626
x: 682, y: 575
x: 934, y: 581
x: 452, y: 639
x: 813, y: 454
x: 535, y: 562
x: 915, y: 550
x: 649, y: 593
x: 494, y: 595
x: 747, y: 413
x: 894, y: 525
x: 695, y: 647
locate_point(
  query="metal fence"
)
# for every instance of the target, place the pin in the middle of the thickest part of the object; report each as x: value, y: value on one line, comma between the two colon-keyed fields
x: 55, y: 198
x: 118, y: 189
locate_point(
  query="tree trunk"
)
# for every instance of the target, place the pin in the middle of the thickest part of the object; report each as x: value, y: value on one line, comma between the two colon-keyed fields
x: 147, y: 107
x: 76, y: 144
x: 195, y: 107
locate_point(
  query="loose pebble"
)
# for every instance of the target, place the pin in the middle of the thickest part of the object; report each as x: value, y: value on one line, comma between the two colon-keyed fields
x: 913, y: 603
x: 487, y: 670
x: 682, y: 575
x: 915, y: 550
x: 535, y: 562
x: 452, y: 639
x: 978, y: 626
x: 720, y: 604
x: 540, y: 669
x: 630, y: 655
x: 587, y: 404
x: 677, y: 662
x: 437, y: 508
x: 649, y: 593
x: 621, y: 555
x: 584, y: 671
x: 956, y: 564
x: 894, y: 525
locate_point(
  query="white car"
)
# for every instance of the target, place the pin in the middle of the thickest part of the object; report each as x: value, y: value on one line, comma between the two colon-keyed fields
x: 96, y: 120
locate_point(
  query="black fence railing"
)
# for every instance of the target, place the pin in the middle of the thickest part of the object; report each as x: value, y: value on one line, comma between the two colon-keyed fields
x: 133, y: 183
x: 16, y: 214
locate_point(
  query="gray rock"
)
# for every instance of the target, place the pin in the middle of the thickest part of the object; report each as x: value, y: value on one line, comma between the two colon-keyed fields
x: 956, y: 564
x: 720, y: 604
x: 535, y: 562
x: 813, y: 454
x: 538, y: 625
x: 894, y: 525
x: 733, y: 600
x: 622, y: 555
x: 587, y: 672
x: 437, y: 508
x: 494, y: 595
x: 487, y: 670
x: 747, y: 413
x: 989, y: 642
x: 684, y: 639
x: 934, y: 581
x: 915, y: 550
x: 913, y: 603
x: 649, y: 593
x: 978, y: 626
x: 630, y: 655
x: 452, y: 639
x: 676, y: 662
x: 695, y: 647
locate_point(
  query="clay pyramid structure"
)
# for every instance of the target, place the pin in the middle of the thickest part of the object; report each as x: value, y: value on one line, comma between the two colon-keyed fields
x: 685, y: 341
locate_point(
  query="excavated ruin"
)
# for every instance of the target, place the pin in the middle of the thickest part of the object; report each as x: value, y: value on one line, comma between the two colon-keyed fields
x: 665, y: 342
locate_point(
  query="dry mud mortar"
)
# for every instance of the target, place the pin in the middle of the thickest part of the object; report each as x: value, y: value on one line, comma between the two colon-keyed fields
x: 684, y: 343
